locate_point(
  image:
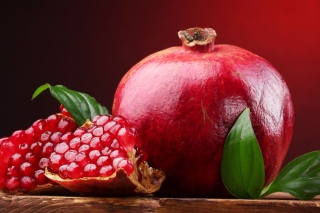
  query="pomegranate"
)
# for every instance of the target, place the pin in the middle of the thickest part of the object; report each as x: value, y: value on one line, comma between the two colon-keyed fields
x: 104, y: 158
x: 184, y: 100
x: 24, y: 155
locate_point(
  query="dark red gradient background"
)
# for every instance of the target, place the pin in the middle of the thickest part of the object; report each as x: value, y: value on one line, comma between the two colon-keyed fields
x: 89, y: 45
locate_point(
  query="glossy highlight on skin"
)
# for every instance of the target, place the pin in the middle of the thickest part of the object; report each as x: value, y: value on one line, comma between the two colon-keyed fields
x: 184, y: 100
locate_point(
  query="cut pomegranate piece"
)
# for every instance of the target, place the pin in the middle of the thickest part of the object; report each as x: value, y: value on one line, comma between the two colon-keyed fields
x: 102, y: 158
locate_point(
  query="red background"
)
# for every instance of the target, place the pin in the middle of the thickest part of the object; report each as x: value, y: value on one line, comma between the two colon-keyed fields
x: 89, y: 45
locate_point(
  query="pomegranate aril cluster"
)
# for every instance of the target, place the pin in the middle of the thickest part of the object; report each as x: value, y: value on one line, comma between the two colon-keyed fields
x: 24, y: 155
x: 97, y: 149
x: 64, y: 111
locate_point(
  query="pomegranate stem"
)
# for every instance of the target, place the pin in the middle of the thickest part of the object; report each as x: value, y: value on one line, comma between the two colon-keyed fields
x: 198, y: 39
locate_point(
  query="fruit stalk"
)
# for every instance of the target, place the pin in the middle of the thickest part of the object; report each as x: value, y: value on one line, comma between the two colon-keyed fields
x: 198, y: 39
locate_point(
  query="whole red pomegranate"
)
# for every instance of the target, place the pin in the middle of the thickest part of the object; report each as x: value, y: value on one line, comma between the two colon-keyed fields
x: 184, y: 100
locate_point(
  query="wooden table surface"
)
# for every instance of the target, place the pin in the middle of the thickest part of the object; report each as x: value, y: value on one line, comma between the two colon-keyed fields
x: 278, y: 202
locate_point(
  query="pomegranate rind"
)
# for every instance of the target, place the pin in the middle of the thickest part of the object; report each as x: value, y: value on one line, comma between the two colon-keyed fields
x: 118, y: 184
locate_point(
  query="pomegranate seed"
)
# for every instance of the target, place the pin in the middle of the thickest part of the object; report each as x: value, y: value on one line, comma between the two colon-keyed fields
x: 36, y: 148
x: 61, y: 148
x: 115, y: 144
x: 127, y: 166
x: 43, y: 163
x: 94, y: 155
x: 29, y: 135
x: 13, y: 183
x: 56, y: 161
x: 91, y: 170
x: 17, y: 137
x: 86, y: 138
x: 64, y: 111
x: 45, y: 136
x: 95, y: 143
x: 47, y: 149
x: 95, y: 118
x: 79, y: 132
x: 109, y: 125
x: 27, y: 183
x: 121, y: 120
x: 84, y: 148
x: 97, y: 131
x: 103, y: 161
x: 106, y: 140
x: 39, y: 176
x: 70, y: 155
x: 27, y: 169
x: 127, y: 138
x: 106, y: 171
x: 7, y: 148
x: 106, y: 151
x: 52, y: 121
x: 75, y: 143
x: 55, y: 137
x: 118, y: 153
x: 105, y: 137
x: 74, y: 171
x: 116, y: 161
x: 23, y: 148
x: 81, y: 159
x: 63, y: 171
x: 66, y: 137
x: 16, y: 160
x: 64, y: 126
x: 40, y: 125
x: 115, y: 129
x: 101, y: 120
x: 31, y: 158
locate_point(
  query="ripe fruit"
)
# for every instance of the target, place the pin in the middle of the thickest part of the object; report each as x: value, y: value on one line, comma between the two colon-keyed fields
x: 24, y: 155
x: 184, y: 100
x: 103, y: 157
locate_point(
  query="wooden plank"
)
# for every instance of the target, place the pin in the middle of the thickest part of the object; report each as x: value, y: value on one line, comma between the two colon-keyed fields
x: 67, y: 204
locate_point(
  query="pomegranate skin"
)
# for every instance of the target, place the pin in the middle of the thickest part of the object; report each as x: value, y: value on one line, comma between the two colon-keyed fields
x: 184, y: 100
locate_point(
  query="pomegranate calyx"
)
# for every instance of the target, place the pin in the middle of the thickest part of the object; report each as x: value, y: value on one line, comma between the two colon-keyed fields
x: 202, y: 38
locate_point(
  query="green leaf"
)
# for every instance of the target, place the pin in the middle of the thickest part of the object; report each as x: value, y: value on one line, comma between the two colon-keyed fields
x: 300, y: 177
x: 81, y: 106
x: 242, y: 165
